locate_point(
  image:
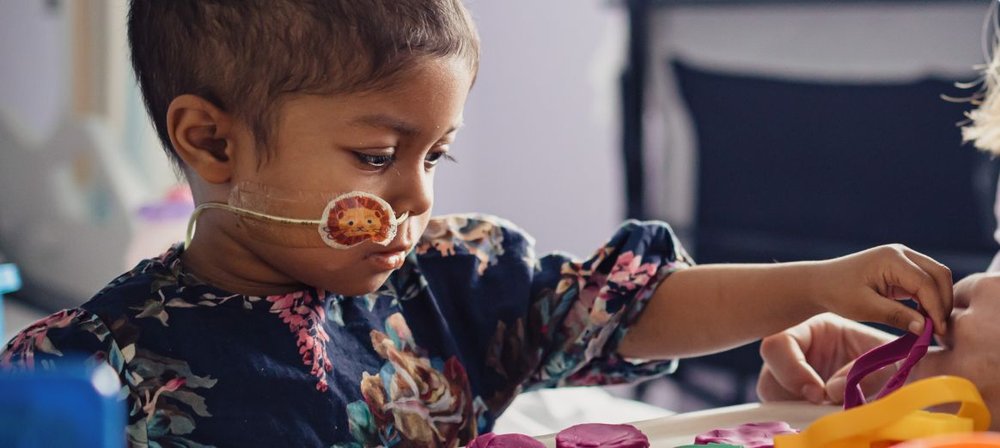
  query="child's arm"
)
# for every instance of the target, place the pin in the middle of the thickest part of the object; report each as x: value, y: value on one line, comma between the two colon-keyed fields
x: 710, y: 308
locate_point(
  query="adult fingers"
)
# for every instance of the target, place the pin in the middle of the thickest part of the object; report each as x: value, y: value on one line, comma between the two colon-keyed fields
x: 785, y: 360
x: 837, y: 384
x: 769, y: 389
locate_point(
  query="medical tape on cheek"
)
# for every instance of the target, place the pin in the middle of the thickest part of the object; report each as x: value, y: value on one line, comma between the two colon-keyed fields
x: 281, y: 217
x: 353, y: 218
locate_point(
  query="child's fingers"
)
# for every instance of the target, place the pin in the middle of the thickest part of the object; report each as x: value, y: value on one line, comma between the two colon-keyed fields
x: 943, y: 281
x: 890, y: 312
x: 911, y: 277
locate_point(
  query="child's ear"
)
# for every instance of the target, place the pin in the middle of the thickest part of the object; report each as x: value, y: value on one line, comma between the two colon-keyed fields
x: 201, y: 135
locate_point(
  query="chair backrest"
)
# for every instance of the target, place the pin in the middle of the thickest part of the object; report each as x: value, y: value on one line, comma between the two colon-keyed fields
x: 792, y: 170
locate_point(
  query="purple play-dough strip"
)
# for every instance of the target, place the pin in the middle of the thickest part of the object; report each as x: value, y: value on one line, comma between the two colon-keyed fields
x: 908, y: 347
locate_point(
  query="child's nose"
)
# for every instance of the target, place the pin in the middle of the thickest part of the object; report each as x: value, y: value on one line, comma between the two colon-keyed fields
x: 413, y: 192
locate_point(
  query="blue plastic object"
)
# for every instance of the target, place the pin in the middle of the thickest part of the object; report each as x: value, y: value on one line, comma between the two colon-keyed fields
x: 75, y: 405
x: 10, y: 281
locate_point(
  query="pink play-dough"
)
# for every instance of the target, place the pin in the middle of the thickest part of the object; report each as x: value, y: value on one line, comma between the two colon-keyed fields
x: 749, y: 435
x: 598, y: 435
x: 491, y: 440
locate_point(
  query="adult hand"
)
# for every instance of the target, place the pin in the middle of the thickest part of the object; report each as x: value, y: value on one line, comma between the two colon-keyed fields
x: 810, y: 361
x: 972, y: 346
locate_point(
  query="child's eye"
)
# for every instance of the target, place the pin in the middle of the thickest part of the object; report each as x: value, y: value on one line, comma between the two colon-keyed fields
x: 433, y: 158
x: 375, y: 160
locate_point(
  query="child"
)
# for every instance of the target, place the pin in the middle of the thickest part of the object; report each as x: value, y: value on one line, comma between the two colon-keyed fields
x: 376, y: 325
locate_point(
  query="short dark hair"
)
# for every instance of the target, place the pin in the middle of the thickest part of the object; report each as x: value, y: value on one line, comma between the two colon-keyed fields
x: 245, y: 55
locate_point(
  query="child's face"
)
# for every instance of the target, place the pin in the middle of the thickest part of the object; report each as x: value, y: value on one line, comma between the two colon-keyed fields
x: 385, y: 143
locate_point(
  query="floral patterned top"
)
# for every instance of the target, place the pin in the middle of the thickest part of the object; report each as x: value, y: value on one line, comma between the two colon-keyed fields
x: 430, y: 359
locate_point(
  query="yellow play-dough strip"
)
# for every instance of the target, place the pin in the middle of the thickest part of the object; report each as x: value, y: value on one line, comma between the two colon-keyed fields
x: 897, y: 417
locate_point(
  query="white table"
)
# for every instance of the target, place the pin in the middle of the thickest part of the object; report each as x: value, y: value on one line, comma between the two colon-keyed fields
x: 680, y: 429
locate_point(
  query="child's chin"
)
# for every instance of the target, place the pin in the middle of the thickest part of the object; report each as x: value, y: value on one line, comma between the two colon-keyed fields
x: 360, y: 286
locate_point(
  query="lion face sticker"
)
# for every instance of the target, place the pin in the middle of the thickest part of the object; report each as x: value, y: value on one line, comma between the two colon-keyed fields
x: 360, y: 222
x: 356, y: 217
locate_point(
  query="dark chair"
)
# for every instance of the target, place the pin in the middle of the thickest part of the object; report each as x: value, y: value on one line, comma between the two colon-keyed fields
x: 794, y: 170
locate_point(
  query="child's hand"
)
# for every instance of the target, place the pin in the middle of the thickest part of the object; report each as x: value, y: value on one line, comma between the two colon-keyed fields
x: 867, y: 285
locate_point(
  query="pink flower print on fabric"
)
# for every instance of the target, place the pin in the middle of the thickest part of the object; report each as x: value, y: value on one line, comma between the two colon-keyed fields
x: 592, y: 377
x: 629, y: 272
x: 304, y: 315
x: 35, y: 337
x: 596, y: 289
x: 409, y: 395
x: 588, y: 285
x: 170, y: 386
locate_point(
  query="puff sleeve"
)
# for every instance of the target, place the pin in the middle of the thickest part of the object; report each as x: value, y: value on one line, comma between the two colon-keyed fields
x: 525, y: 322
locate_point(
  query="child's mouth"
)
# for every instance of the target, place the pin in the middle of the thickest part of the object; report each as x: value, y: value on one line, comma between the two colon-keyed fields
x: 387, y: 260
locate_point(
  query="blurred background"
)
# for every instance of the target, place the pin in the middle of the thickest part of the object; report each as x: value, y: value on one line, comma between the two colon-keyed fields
x: 761, y: 130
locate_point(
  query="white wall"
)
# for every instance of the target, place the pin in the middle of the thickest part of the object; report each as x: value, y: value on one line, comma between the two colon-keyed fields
x: 540, y: 144
x: 35, y: 61
x: 76, y: 153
